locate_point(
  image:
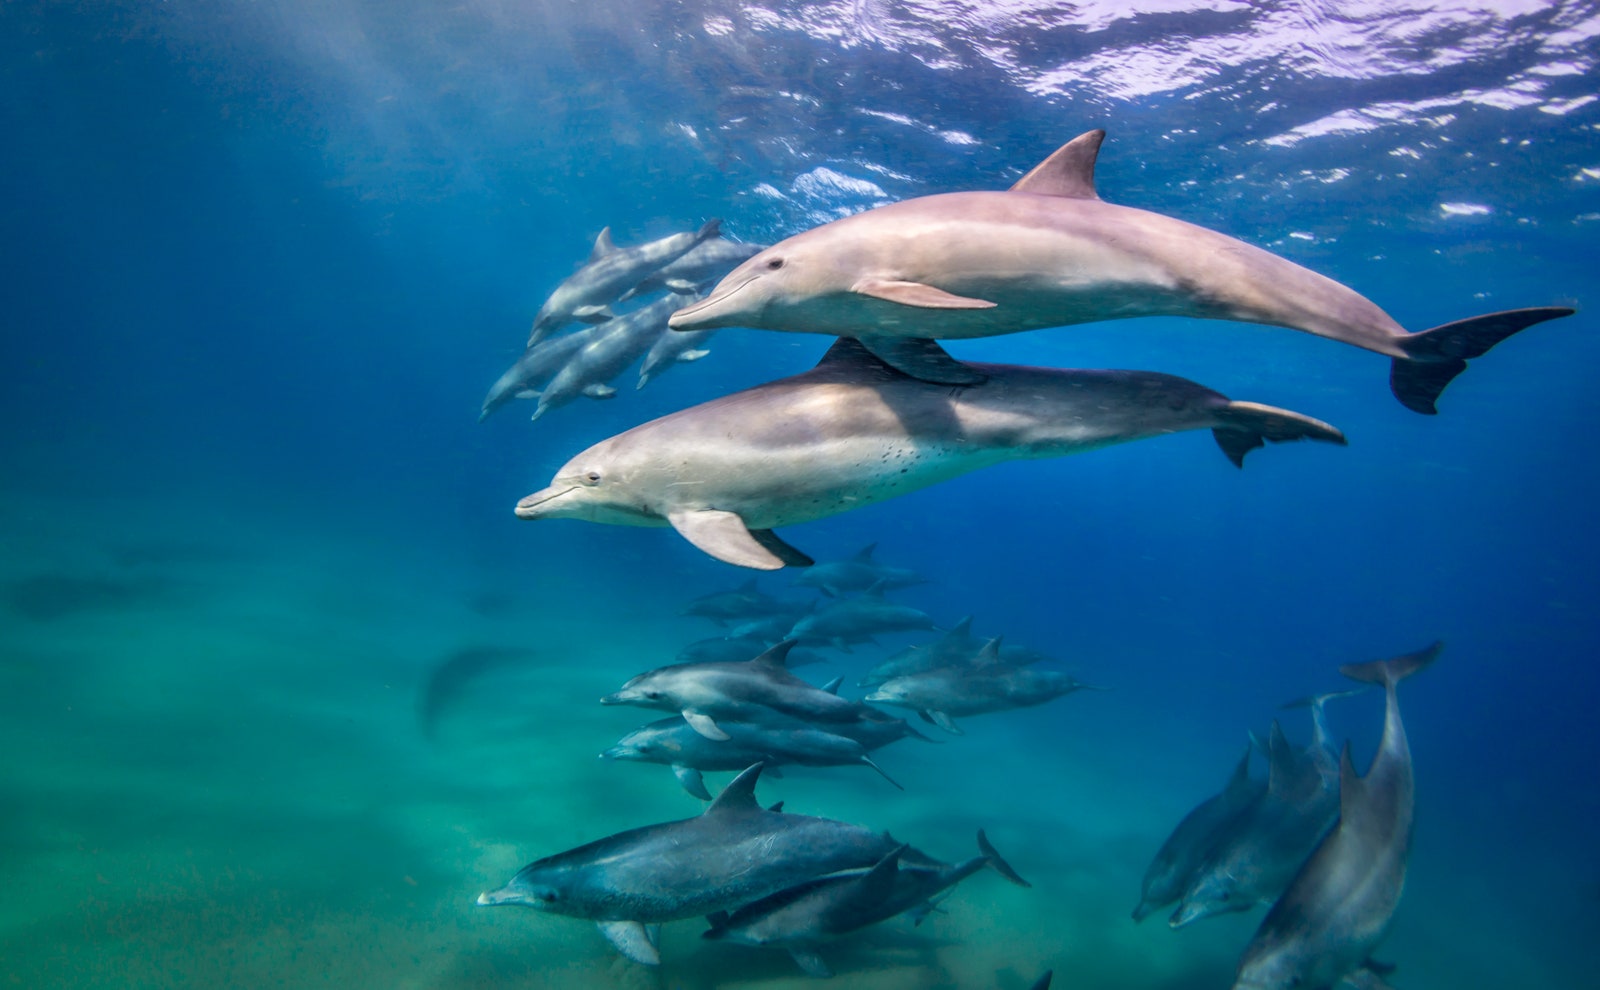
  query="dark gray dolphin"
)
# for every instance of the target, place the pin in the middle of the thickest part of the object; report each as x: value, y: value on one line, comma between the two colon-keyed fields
x: 853, y: 431
x: 856, y: 620
x: 734, y: 853
x: 805, y: 916
x: 1048, y: 253
x: 956, y: 647
x: 619, y: 343
x: 1194, y: 838
x: 857, y: 573
x: 744, y: 602
x: 744, y: 691
x: 988, y: 685
x: 1325, y: 926
x: 587, y: 293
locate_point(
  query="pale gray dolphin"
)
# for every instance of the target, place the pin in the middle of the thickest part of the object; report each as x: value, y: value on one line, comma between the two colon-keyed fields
x: 670, y: 350
x: 805, y: 916
x: 987, y: 685
x: 734, y: 853
x: 1048, y: 253
x: 1325, y: 926
x: 588, y: 293
x: 620, y: 343
x: 857, y: 573
x: 853, y: 431
x: 535, y: 368
x: 1194, y: 838
x: 710, y: 259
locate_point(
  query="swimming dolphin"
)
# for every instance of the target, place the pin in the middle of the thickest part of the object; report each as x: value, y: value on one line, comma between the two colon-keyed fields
x: 734, y: 853
x: 1048, y: 253
x: 957, y: 648
x: 588, y: 293
x: 853, y: 431
x: 855, y: 620
x: 988, y: 685
x: 744, y: 602
x: 620, y: 343
x: 710, y: 259
x: 801, y: 918
x: 670, y: 350
x: 535, y: 368
x: 1258, y: 857
x: 745, y: 691
x: 1325, y: 926
x: 1188, y: 845
x: 857, y: 573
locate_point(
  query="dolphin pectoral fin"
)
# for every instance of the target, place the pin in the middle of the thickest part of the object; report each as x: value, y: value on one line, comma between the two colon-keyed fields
x: 1244, y: 426
x: 724, y: 536
x: 693, y: 355
x: 598, y: 391
x: 1435, y: 357
x: 691, y: 780
x: 922, y: 359
x: 810, y: 962
x: 528, y: 393
x: 996, y: 862
x: 944, y: 722
x: 593, y: 314
x: 918, y: 294
x: 681, y: 285
x: 631, y: 939
x: 704, y: 725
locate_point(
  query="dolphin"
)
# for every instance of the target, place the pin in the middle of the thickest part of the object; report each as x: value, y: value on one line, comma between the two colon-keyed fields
x: 620, y: 343
x: 952, y: 649
x: 535, y: 368
x: 802, y: 917
x: 1323, y: 929
x: 1047, y: 253
x: 670, y: 350
x: 853, y: 431
x: 734, y: 853
x: 854, y: 620
x: 1188, y: 845
x: 745, y: 691
x: 1257, y: 858
x: 857, y: 573
x: 673, y: 742
x: 729, y: 650
x: 744, y: 602
x: 711, y: 259
x: 989, y: 685
x: 588, y: 293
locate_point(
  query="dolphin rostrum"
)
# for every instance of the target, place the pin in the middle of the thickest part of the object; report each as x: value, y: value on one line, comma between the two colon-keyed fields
x: 1047, y: 253
x: 853, y: 431
x: 1323, y: 929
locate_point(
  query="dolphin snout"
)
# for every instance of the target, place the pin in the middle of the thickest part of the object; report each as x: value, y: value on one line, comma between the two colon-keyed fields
x: 613, y: 699
x: 712, y: 311
x: 535, y: 505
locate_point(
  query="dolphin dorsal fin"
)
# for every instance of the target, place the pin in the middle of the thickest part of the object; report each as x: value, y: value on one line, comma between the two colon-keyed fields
x: 1352, y: 789
x: 1069, y: 172
x: 848, y: 351
x: 1240, y: 780
x: 877, y: 589
x: 1280, y: 758
x: 989, y: 656
x: 962, y: 629
x: 602, y: 245
x: 832, y: 687
x: 739, y: 795
x: 865, y: 553
x: 870, y: 889
x: 778, y: 654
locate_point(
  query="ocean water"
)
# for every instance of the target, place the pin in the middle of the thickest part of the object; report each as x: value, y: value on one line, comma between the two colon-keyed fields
x: 261, y: 261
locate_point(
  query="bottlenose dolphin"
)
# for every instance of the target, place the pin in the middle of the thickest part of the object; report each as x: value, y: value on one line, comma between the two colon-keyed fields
x: 744, y: 602
x: 670, y: 350
x: 855, y: 620
x: 988, y: 685
x: 1188, y: 845
x: 734, y: 853
x: 955, y: 647
x: 710, y: 259
x: 1048, y: 253
x: 802, y: 917
x: 587, y: 293
x: 857, y: 573
x: 744, y: 691
x: 1338, y: 908
x: 852, y: 431
x: 620, y: 343
x: 535, y: 368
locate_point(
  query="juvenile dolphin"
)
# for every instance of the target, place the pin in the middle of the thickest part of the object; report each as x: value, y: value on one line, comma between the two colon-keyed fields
x: 670, y: 350
x: 1186, y: 848
x: 1338, y: 908
x: 588, y: 293
x: 989, y: 685
x: 852, y: 431
x: 620, y: 343
x: 745, y: 691
x: 854, y: 620
x: 710, y: 259
x: 734, y: 853
x: 1048, y: 253
x: 857, y: 573
x: 803, y: 917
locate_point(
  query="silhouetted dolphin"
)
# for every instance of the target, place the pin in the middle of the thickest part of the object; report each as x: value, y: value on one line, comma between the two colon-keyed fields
x: 853, y: 431
x: 1323, y: 929
x: 1049, y: 253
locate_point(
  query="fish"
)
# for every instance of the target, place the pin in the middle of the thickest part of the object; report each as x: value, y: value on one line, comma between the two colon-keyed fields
x: 588, y: 293
x: 1338, y: 908
x: 1049, y: 252
x: 1197, y: 834
x: 853, y: 431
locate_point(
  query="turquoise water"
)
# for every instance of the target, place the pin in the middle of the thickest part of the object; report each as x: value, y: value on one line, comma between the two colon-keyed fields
x: 262, y: 262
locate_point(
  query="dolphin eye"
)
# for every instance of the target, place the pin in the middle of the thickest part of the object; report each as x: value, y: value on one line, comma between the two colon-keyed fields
x: 774, y: 264
x: 593, y: 477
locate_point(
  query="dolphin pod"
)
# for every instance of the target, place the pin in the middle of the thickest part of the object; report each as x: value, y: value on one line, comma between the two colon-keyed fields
x: 853, y: 431
x: 1049, y: 252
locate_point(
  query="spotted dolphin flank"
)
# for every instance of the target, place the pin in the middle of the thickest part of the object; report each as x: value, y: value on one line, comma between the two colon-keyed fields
x: 853, y: 431
x: 1322, y: 931
x: 1049, y: 252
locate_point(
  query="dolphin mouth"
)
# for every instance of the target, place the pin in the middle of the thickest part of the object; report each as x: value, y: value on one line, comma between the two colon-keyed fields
x: 505, y: 895
x: 533, y: 506
x: 693, y: 317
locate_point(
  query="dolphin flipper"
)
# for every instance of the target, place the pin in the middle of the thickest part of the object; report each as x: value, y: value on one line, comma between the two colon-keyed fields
x: 810, y: 962
x: 724, y: 536
x: 691, y: 780
x: 706, y: 726
x: 922, y: 359
x: 943, y: 721
x: 632, y: 940
x: 1438, y: 355
x: 918, y: 294
x: 1248, y: 425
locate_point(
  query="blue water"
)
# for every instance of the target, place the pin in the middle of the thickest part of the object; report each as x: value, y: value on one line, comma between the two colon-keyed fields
x: 261, y: 261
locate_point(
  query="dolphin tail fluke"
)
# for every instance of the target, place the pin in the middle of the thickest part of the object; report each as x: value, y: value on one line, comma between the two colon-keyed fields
x: 1391, y: 672
x: 1248, y: 425
x: 998, y: 862
x: 1435, y: 357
